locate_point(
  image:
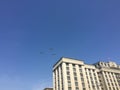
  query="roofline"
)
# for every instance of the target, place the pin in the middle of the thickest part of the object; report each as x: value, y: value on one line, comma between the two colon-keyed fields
x: 67, y: 58
x: 58, y: 61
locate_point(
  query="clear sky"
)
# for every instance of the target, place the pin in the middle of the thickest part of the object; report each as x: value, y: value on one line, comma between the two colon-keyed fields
x: 34, y: 34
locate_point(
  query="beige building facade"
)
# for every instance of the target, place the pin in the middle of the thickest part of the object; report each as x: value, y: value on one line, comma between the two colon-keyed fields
x: 72, y: 74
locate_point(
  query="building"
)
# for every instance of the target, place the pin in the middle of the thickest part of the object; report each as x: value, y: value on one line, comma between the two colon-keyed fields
x: 72, y: 74
x: 48, y: 89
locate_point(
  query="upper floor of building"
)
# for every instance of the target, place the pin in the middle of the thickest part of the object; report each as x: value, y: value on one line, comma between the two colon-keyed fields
x: 99, y: 65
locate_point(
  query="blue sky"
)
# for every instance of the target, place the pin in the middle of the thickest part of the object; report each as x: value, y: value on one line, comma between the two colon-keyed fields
x: 82, y: 29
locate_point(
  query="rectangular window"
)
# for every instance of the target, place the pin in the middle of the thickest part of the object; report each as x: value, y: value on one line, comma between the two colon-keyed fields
x: 74, y: 69
x: 75, y: 74
x: 67, y: 64
x: 68, y: 73
x: 83, y: 84
x: 95, y: 78
x: 73, y: 65
x: 67, y: 68
x: 80, y: 70
x: 92, y: 82
x: 77, y: 88
x: 82, y: 79
x: 84, y: 88
x: 75, y: 78
x: 68, y: 77
x: 81, y: 74
x: 76, y: 83
x: 69, y: 88
x: 110, y: 88
x: 69, y: 83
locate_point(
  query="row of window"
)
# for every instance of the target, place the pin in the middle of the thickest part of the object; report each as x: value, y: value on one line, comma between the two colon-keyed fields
x: 75, y: 77
x: 118, y: 77
x: 93, y: 76
x: 57, y: 74
x: 111, y: 80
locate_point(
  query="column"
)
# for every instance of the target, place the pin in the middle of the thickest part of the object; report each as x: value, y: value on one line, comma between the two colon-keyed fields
x: 79, y: 77
x: 72, y: 77
x: 89, y: 79
x: 98, y: 82
x: 115, y: 81
x: 108, y: 78
x: 104, y: 78
x: 65, y: 84
x: 84, y: 76
x: 60, y: 82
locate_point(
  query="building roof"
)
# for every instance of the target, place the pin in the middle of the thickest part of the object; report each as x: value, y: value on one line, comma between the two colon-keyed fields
x: 67, y: 58
x: 48, y: 89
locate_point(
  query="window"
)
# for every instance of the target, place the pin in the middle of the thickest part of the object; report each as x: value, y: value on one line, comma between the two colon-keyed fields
x: 84, y: 88
x: 110, y: 88
x: 67, y: 64
x: 75, y: 78
x: 89, y: 86
x: 80, y: 70
x: 69, y: 83
x: 67, y: 68
x: 82, y: 79
x: 73, y: 65
x: 92, y: 82
x: 95, y: 78
x: 113, y: 88
x: 81, y: 74
x: 112, y: 84
x: 102, y: 89
x: 74, y: 69
x: 75, y: 74
x: 90, y: 73
x: 69, y: 88
x: 68, y: 77
x: 68, y: 73
x: 76, y: 83
x: 83, y: 84
x: 77, y: 88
